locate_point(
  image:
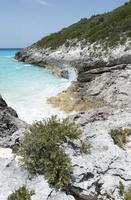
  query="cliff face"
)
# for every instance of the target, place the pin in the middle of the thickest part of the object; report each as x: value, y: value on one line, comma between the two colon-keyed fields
x: 89, y: 61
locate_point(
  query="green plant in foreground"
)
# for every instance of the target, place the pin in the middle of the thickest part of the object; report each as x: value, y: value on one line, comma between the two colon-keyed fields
x: 21, y: 194
x: 120, y: 136
x: 58, y: 169
x: 41, y: 150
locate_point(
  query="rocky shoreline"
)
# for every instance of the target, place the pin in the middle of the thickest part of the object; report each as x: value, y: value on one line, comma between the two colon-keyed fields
x: 99, y: 174
x: 90, y: 62
x: 88, y: 59
x: 106, y: 77
x: 96, y: 54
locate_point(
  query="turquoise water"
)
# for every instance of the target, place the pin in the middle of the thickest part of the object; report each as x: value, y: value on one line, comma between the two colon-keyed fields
x: 26, y: 87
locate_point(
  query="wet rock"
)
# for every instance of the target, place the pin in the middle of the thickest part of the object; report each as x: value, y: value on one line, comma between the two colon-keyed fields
x: 3, y: 104
x: 64, y: 74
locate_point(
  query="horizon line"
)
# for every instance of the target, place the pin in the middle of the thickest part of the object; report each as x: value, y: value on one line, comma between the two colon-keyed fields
x: 11, y: 48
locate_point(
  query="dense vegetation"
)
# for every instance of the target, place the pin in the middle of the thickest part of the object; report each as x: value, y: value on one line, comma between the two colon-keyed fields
x: 42, y: 150
x: 21, y: 194
x: 120, y: 136
x: 106, y: 27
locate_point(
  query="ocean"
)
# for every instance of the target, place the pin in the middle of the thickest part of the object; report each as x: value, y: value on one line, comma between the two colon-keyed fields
x: 26, y: 87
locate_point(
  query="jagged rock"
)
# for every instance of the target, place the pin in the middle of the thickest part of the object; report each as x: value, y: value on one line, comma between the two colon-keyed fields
x: 90, y: 74
x: 76, y: 192
x: 12, y: 129
x: 3, y: 104
x: 91, y: 56
x: 111, y: 86
x: 100, y: 172
x: 65, y: 74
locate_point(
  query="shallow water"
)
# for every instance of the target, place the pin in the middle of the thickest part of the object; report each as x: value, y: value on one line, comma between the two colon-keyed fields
x: 26, y: 87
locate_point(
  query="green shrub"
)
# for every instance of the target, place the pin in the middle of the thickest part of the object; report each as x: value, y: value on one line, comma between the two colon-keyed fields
x: 58, y: 169
x: 21, y: 194
x: 15, y: 147
x: 41, y: 150
x: 127, y: 195
x: 121, y: 189
x: 120, y: 136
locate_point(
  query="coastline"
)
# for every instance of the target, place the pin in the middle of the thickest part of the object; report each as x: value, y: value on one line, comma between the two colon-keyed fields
x: 65, y: 105
x: 29, y: 97
x: 89, y: 63
x: 107, y: 80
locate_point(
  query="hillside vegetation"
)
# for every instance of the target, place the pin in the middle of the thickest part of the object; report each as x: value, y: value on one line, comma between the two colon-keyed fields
x: 107, y: 27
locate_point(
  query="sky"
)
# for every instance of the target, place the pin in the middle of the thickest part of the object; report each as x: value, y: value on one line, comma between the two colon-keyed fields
x: 23, y: 22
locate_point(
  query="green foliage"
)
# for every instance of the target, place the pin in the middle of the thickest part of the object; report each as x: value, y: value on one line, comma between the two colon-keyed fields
x: 21, y: 194
x: 15, y: 147
x: 120, y: 136
x: 107, y: 28
x: 41, y: 150
x: 121, y: 189
x: 58, y: 169
x: 127, y: 195
x: 84, y: 148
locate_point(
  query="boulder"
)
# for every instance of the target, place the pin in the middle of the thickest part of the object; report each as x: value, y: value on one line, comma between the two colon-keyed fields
x: 12, y: 129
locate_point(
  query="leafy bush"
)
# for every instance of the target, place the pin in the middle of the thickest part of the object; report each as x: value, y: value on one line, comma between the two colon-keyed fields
x: 41, y: 150
x: 120, y: 136
x: 21, y: 194
x: 58, y: 169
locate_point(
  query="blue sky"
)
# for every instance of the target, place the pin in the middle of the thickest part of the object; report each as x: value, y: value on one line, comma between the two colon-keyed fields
x: 23, y: 22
